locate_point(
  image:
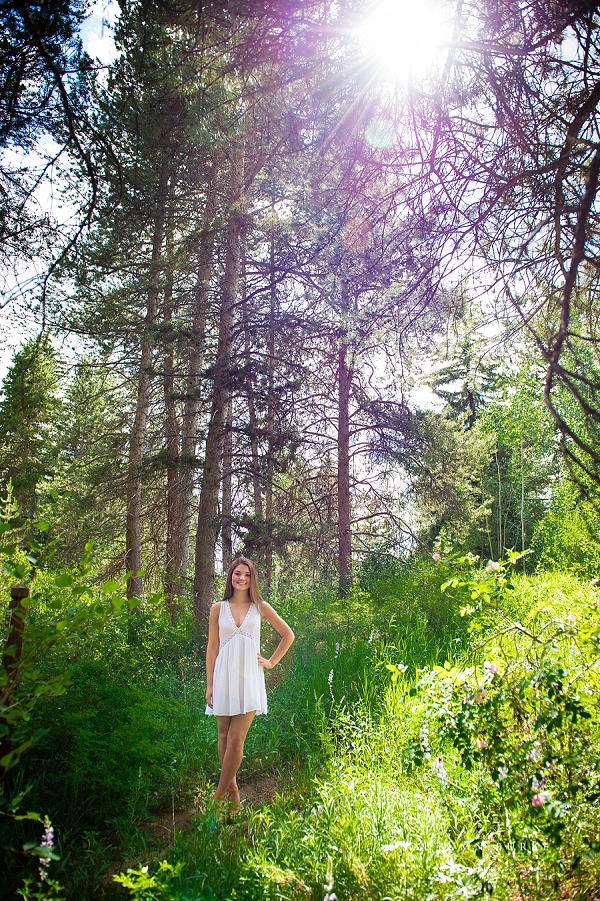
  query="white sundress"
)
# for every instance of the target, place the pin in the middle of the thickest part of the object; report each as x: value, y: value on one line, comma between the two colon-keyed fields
x: 238, y: 680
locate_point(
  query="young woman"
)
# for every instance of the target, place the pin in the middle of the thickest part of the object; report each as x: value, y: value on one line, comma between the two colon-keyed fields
x: 235, y: 679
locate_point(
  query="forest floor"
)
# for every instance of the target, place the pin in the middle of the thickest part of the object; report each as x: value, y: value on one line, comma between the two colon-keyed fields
x: 161, y: 829
x: 254, y: 790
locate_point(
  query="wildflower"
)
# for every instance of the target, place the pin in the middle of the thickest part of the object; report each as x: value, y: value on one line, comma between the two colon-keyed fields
x: 47, y: 842
x: 387, y: 849
x: 440, y: 770
x: 534, y: 754
x: 491, y: 668
x: 537, y: 784
x: 480, y: 743
x: 540, y: 799
x: 424, y: 741
x: 337, y: 649
x: 145, y: 869
x: 502, y: 773
x: 329, y: 894
x: 492, y: 566
x: 480, y: 696
x: 436, y: 557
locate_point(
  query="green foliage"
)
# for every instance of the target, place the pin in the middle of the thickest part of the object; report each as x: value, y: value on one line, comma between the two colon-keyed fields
x: 364, y: 836
x: 157, y: 887
x: 28, y: 418
x: 131, y: 727
x: 467, y: 377
x: 49, y: 890
x: 523, y: 721
x: 450, y: 497
x: 52, y: 617
x: 478, y: 590
x: 567, y: 538
x: 411, y: 739
x: 59, y: 612
x: 524, y: 463
x: 495, y: 505
x: 86, y: 497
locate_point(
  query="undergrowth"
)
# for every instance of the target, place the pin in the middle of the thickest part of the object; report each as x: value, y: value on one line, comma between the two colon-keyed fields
x: 390, y: 791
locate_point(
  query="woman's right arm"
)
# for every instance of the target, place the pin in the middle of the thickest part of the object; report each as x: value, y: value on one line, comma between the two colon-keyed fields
x: 212, y: 649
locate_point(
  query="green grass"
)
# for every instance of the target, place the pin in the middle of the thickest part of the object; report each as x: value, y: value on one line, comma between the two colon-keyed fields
x: 130, y: 736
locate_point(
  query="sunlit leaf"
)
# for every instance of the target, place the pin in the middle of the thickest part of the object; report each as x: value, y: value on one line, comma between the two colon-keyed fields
x: 64, y: 580
x: 111, y: 586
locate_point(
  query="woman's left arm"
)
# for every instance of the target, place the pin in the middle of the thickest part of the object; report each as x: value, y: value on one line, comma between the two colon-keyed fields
x: 282, y: 628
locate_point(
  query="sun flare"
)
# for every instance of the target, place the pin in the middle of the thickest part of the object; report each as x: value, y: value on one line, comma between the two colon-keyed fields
x: 405, y: 37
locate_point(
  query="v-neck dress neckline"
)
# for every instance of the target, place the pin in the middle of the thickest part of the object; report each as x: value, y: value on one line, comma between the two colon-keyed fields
x: 243, y: 622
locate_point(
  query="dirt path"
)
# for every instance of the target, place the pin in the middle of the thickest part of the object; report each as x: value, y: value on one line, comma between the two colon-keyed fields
x: 254, y: 790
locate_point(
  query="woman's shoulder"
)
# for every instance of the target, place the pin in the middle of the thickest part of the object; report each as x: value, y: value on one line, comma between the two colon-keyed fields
x: 216, y: 607
x: 264, y: 608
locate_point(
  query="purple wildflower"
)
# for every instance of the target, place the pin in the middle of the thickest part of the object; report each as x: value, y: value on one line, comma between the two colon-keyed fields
x: 47, y: 842
x: 330, y: 895
x: 440, y: 770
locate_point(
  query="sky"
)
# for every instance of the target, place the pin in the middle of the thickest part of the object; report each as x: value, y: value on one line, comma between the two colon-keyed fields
x: 97, y: 30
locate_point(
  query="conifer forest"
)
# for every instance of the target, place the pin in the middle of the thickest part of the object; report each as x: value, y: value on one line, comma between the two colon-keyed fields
x: 314, y: 283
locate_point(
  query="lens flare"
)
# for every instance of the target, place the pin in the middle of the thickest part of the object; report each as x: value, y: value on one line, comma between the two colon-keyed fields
x: 380, y: 133
x: 405, y: 37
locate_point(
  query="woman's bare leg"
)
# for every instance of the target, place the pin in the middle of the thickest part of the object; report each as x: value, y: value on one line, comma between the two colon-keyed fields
x: 232, y: 734
x: 223, y: 723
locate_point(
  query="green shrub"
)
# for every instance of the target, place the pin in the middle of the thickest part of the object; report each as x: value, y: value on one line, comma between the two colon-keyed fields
x: 522, y: 715
x: 568, y: 537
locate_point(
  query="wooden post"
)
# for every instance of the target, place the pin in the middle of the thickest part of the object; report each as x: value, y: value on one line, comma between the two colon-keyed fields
x: 13, y: 650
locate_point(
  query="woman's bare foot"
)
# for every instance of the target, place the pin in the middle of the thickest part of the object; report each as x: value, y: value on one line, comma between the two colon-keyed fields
x: 234, y: 797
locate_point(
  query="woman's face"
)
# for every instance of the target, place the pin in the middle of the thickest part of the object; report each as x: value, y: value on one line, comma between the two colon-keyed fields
x: 240, y: 577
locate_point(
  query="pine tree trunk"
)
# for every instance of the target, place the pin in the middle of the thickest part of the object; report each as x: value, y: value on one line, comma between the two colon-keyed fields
x: 270, y: 425
x: 208, y: 524
x: 191, y: 409
x: 133, y: 529
x: 252, y: 417
x: 172, y: 442
x: 226, y: 536
x: 343, y: 466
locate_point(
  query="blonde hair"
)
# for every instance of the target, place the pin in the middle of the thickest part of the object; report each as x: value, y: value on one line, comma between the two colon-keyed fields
x: 255, y: 595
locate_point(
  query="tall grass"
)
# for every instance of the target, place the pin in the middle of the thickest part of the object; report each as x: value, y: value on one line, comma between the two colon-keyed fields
x: 354, y: 807
x: 367, y: 820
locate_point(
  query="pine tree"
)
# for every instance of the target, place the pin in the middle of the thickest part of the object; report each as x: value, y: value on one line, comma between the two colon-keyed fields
x: 29, y: 412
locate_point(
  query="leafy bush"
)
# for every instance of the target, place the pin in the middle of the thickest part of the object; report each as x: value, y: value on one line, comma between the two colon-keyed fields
x: 568, y: 537
x: 522, y: 715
